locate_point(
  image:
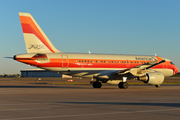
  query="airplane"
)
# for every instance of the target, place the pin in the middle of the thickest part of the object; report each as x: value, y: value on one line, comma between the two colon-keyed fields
x: 103, y: 68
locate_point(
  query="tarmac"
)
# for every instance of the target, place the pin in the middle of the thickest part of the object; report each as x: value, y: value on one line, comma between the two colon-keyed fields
x: 41, y: 101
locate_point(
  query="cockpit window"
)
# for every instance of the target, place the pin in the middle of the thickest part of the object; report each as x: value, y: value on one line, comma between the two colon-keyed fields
x: 172, y: 63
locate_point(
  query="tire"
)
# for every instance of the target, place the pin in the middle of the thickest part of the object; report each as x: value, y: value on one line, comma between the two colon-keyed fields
x: 123, y: 85
x: 158, y: 86
x: 97, y: 85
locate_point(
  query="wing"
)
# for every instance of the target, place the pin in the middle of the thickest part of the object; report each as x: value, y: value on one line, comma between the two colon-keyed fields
x: 141, y: 69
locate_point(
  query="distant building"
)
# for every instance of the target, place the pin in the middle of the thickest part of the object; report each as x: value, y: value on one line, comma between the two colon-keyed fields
x: 39, y: 73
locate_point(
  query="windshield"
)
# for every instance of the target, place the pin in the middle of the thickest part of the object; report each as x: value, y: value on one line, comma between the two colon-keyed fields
x: 172, y: 63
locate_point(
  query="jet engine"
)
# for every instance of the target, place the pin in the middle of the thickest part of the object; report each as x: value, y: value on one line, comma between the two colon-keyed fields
x: 153, y: 78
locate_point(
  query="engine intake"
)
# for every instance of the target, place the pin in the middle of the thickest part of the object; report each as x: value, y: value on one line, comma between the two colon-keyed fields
x: 153, y: 78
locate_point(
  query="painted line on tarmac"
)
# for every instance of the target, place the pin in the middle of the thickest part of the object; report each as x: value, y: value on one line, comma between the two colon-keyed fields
x: 95, y: 114
x: 22, y: 109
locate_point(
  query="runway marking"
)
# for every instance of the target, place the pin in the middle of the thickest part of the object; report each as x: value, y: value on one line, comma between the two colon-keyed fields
x: 94, y: 114
x: 23, y: 109
x: 23, y: 104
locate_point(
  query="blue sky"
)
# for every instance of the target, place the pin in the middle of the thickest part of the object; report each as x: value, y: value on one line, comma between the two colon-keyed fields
x: 142, y: 27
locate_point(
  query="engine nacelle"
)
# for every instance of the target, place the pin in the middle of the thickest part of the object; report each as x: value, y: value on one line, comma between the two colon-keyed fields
x: 153, y: 78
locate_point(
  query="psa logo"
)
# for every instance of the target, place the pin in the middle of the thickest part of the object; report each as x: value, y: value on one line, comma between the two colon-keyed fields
x: 36, y: 46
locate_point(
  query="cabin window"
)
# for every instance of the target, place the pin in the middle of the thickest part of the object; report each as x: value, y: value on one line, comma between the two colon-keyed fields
x: 76, y: 60
x: 109, y: 61
x: 122, y: 61
x: 114, y: 61
x: 91, y: 61
x: 79, y: 60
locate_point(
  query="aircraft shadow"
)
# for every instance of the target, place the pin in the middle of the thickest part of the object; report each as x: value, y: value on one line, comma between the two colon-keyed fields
x: 68, y: 87
x: 124, y: 103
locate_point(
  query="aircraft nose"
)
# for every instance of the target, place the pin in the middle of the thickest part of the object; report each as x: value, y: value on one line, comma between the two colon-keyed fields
x: 175, y: 70
x: 14, y: 57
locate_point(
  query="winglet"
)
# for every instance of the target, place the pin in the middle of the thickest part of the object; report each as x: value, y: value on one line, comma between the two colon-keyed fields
x: 158, y: 58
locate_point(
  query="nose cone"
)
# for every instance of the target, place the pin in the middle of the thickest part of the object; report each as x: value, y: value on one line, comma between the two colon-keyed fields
x: 175, y: 70
x: 14, y: 57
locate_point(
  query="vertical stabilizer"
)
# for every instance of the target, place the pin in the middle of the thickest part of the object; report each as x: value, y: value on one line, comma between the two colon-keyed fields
x: 35, y: 39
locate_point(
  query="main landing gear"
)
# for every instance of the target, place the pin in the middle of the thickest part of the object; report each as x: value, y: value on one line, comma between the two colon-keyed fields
x: 97, y: 85
x: 123, y: 85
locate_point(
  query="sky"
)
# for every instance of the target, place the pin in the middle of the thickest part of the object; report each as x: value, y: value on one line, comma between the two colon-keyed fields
x: 137, y: 27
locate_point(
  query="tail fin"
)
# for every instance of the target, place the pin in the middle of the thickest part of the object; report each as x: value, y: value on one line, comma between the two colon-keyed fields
x: 35, y: 39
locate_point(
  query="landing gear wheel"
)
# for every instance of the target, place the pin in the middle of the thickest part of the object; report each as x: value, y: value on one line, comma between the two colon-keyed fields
x: 158, y: 86
x: 97, y: 85
x: 123, y: 85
